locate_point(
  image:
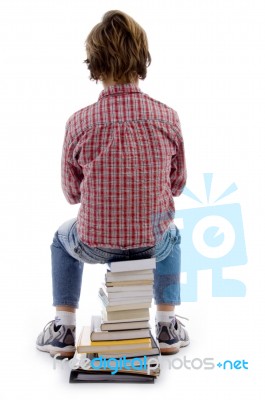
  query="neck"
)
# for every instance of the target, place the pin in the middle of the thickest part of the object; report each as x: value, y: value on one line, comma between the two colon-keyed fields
x: 110, y: 82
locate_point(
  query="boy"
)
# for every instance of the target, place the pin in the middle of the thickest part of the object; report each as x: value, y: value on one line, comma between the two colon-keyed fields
x: 123, y: 160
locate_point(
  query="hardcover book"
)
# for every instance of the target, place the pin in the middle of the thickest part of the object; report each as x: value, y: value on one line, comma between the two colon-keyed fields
x: 98, y: 335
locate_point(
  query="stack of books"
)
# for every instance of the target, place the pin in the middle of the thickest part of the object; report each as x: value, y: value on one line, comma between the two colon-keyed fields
x: 118, y: 346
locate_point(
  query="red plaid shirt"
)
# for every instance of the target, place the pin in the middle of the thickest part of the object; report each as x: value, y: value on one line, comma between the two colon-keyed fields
x: 123, y: 160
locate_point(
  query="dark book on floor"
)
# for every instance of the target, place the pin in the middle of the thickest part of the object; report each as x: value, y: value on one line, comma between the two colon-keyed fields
x: 79, y: 376
x: 112, y: 370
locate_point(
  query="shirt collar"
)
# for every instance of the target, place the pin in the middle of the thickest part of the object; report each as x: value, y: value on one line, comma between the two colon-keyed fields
x: 120, y: 89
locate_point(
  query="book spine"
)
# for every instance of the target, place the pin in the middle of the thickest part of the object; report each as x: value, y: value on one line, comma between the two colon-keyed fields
x: 121, y: 295
x: 130, y: 283
x: 127, y: 307
x: 133, y: 289
x: 124, y: 326
x: 118, y: 266
x: 128, y: 278
x: 132, y: 300
x: 119, y: 315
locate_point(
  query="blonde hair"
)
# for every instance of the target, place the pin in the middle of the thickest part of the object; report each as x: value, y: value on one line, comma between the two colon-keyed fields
x: 117, y: 47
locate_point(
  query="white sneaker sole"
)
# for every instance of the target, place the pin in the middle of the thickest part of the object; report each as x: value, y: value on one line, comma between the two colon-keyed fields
x: 168, y: 349
x: 67, y: 351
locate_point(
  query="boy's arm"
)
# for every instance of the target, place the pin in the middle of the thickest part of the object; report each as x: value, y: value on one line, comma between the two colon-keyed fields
x: 71, y: 172
x: 178, y: 173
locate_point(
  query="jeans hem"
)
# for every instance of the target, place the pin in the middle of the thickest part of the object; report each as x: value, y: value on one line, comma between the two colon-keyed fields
x: 170, y: 303
x: 62, y: 303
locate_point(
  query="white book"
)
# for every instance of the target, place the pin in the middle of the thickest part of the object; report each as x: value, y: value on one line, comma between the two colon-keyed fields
x: 126, y: 315
x: 105, y: 320
x: 113, y: 302
x: 133, y: 265
x: 131, y: 288
x: 125, y: 300
x: 127, y: 306
x: 131, y: 273
x: 120, y: 326
x: 98, y: 334
x: 129, y: 294
x: 131, y: 277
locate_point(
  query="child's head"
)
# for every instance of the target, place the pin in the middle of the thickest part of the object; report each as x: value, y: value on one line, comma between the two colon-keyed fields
x: 117, y: 49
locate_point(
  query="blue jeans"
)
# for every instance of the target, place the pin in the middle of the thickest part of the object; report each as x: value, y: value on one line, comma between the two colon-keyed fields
x: 69, y: 255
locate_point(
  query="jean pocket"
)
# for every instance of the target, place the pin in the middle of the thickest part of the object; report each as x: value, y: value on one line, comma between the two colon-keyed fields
x: 90, y: 255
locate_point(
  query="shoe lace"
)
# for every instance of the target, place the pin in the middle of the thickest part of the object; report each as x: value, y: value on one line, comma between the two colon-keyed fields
x: 179, y: 316
x: 48, y: 325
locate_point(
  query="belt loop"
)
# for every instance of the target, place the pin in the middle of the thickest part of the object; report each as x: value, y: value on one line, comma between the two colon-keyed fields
x: 172, y: 228
x: 173, y: 232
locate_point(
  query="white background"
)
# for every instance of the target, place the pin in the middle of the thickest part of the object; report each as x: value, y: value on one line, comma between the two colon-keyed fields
x: 208, y: 63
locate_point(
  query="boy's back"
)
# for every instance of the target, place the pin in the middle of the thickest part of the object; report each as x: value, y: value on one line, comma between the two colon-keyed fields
x: 126, y: 151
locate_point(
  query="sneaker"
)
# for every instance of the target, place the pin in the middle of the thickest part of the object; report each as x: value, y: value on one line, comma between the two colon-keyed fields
x: 171, y: 336
x: 56, y: 340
